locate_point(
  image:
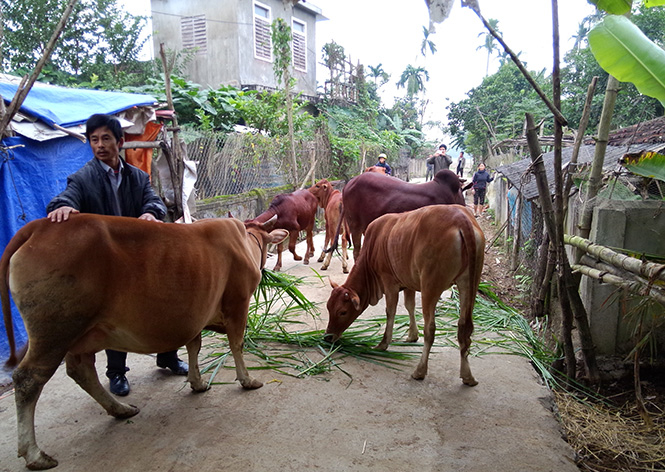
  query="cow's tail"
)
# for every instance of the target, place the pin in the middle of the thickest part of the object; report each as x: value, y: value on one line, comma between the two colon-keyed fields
x: 334, y: 243
x: 14, y: 244
x: 473, y: 251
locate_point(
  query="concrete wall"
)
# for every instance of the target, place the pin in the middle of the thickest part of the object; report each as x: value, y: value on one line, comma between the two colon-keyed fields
x: 229, y: 59
x: 242, y: 206
x: 636, y: 226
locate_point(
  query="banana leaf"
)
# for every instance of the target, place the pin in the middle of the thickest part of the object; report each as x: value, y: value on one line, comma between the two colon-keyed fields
x: 647, y: 164
x: 653, y: 3
x: 625, y: 52
x: 614, y: 7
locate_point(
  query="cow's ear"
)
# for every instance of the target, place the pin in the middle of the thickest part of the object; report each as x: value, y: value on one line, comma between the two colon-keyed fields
x: 355, y: 299
x: 278, y: 235
x: 230, y: 215
x: 332, y: 283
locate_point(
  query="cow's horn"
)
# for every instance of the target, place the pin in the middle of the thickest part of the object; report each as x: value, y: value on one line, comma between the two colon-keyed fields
x: 268, y: 225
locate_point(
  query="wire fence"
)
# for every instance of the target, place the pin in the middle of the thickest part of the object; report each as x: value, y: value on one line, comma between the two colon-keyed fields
x: 229, y: 164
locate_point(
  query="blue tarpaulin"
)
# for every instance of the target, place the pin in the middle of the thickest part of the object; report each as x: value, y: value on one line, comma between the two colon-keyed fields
x: 33, y: 172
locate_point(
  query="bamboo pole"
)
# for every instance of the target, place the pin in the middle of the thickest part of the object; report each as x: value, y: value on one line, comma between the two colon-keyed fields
x: 595, y: 178
x: 649, y: 270
x: 584, y: 122
x: 606, y: 277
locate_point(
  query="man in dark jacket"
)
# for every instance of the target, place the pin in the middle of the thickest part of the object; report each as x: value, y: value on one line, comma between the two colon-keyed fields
x: 107, y: 185
x: 440, y: 159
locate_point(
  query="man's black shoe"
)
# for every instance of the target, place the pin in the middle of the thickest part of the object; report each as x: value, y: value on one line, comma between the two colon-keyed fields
x: 177, y: 366
x: 119, y: 385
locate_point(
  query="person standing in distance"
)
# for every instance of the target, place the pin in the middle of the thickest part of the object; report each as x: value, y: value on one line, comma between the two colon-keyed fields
x: 480, y: 180
x: 107, y: 185
x: 460, y: 164
x: 382, y: 163
x: 440, y: 159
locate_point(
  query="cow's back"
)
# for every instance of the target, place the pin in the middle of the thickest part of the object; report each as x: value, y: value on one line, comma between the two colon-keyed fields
x: 118, y: 274
x: 369, y: 196
x: 430, y: 243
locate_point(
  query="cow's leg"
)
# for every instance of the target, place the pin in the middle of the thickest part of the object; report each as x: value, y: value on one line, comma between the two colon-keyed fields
x: 464, y: 330
x: 194, y: 374
x: 293, y: 239
x: 309, y: 235
x: 410, y: 304
x: 392, y: 296
x: 356, y: 238
x: 235, y: 331
x: 345, y: 255
x: 81, y: 368
x: 28, y: 384
x: 278, y: 264
x: 429, y: 301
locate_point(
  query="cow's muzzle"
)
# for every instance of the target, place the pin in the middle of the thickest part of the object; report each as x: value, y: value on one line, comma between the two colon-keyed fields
x: 330, y: 337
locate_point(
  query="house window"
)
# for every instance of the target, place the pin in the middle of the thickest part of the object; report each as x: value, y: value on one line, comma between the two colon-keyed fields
x: 299, y: 32
x: 262, y: 32
x: 194, y: 33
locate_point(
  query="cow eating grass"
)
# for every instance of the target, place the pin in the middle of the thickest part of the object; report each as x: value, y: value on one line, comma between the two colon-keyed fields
x: 425, y: 250
x: 107, y: 282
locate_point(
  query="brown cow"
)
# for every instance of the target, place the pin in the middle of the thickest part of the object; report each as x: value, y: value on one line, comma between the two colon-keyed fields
x: 107, y: 282
x: 295, y: 212
x: 424, y: 250
x: 369, y: 195
x: 330, y: 199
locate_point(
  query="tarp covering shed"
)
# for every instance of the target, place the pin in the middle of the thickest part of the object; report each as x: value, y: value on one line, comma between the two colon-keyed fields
x: 33, y: 170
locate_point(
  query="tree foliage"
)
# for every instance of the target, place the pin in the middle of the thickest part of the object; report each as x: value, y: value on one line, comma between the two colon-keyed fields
x: 100, y: 39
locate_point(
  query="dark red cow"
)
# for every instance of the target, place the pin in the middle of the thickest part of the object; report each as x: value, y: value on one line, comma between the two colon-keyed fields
x: 370, y: 195
x: 376, y: 169
x: 295, y: 212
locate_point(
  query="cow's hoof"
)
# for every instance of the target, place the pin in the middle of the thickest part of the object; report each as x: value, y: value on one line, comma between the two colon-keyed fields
x: 200, y: 387
x: 418, y: 375
x: 276, y: 268
x: 306, y: 262
x: 324, y: 267
x: 251, y: 384
x: 43, y: 462
x: 345, y: 270
x: 412, y: 339
x: 381, y: 346
x: 124, y: 411
x: 320, y: 259
x: 297, y: 258
x: 470, y: 382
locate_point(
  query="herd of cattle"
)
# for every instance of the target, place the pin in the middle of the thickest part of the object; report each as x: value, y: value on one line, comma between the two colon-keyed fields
x: 105, y: 282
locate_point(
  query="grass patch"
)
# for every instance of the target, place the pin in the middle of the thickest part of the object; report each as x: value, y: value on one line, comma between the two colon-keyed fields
x: 279, y: 336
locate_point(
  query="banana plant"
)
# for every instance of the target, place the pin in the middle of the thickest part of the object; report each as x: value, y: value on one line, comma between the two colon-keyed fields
x: 623, y: 51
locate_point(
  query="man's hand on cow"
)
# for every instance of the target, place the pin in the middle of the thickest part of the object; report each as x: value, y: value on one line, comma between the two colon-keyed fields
x: 149, y: 217
x: 61, y: 214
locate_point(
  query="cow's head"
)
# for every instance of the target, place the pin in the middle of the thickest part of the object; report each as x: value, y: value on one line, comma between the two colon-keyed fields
x: 263, y: 234
x: 320, y: 190
x: 343, y: 309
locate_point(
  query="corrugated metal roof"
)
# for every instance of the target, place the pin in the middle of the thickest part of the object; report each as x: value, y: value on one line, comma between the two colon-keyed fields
x: 518, y: 173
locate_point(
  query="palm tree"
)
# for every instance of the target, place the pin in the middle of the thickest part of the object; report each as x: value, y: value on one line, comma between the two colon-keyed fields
x: 378, y: 73
x: 489, y: 43
x: 427, y: 43
x: 412, y: 78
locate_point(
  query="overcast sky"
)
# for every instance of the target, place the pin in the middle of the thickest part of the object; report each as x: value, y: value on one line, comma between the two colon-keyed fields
x: 389, y: 32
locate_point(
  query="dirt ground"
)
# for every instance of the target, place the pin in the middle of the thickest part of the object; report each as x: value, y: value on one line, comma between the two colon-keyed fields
x: 381, y: 420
